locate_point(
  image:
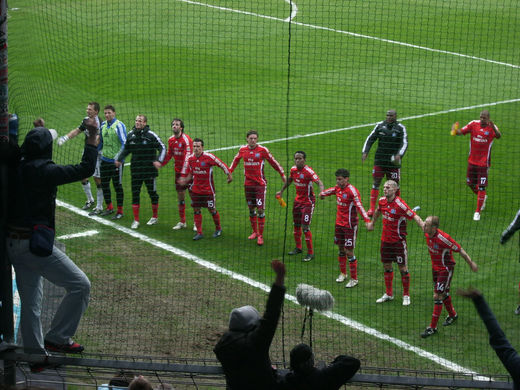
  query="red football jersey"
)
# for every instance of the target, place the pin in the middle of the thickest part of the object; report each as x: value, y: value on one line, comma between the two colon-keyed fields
x: 348, y: 201
x: 303, y: 179
x: 394, y: 215
x: 441, y: 246
x: 480, y: 144
x: 254, y: 164
x: 179, y: 149
x: 202, y: 170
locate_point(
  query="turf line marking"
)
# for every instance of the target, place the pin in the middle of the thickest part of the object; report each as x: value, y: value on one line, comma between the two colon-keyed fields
x: 298, y: 136
x: 75, y: 235
x: 364, y: 36
x: 216, y: 268
x: 294, y: 11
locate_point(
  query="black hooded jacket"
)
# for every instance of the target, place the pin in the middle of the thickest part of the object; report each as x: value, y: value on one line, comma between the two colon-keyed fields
x: 330, y: 377
x: 146, y: 147
x: 41, y: 176
x: 244, y: 355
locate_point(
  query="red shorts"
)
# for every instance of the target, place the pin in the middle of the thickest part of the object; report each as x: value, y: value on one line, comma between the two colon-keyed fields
x: 302, y: 213
x: 345, y: 236
x: 180, y: 187
x: 379, y: 172
x: 255, y: 196
x: 202, y: 200
x: 442, y: 280
x: 477, y: 176
x: 394, y: 252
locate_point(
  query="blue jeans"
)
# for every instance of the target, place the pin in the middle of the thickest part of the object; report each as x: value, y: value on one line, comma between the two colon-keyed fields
x: 60, y: 270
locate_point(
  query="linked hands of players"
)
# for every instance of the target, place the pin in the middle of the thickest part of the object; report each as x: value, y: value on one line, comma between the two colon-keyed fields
x: 184, y: 180
x: 370, y: 225
x: 229, y: 178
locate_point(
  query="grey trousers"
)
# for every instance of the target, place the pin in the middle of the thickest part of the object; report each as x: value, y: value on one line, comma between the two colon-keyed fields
x: 60, y: 270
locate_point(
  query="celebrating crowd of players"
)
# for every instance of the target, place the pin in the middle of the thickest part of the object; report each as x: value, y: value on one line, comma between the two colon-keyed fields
x: 194, y: 172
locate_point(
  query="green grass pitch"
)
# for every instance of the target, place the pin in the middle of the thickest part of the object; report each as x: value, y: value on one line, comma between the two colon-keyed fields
x: 225, y: 67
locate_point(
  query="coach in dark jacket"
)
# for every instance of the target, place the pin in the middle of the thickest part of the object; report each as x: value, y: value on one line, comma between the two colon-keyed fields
x: 148, y: 152
x: 305, y: 376
x: 40, y: 177
x: 243, y: 350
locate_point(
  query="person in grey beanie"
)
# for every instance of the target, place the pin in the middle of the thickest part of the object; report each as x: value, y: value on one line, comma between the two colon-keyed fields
x: 243, y: 350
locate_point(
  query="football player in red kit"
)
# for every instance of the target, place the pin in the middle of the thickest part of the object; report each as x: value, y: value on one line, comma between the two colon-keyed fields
x: 395, y: 213
x: 348, y: 201
x: 441, y: 247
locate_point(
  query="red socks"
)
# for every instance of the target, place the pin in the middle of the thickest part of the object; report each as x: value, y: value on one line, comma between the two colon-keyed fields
x: 182, y: 212
x: 198, y: 222
x: 261, y: 223
x: 352, y: 263
x: 406, y: 283
x: 298, y: 236
x: 481, y: 195
x: 342, y: 264
x: 308, y: 242
x: 389, y: 279
x: 216, y: 219
x: 437, y: 310
x: 135, y: 209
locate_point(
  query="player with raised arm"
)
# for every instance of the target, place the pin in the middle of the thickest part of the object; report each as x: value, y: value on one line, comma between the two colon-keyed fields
x: 303, y: 177
x: 255, y: 183
x: 199, y: 168
x: 483, y: 132
x: 92, y: 112
x: 392, y: 144
x: 180, y: 145
x: 348, y: 201
x: 395, y: 212
x: 441, y: 247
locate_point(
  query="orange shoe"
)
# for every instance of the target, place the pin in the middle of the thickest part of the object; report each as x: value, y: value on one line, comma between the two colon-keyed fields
x: 260, y: 241
x: 252, y: 236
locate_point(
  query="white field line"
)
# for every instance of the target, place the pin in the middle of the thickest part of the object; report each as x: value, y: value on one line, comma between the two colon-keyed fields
x: 294, y: 11
x: 324, y: 132
x: 334, y: 316
x: 88, y: 233
x: 391, y: 41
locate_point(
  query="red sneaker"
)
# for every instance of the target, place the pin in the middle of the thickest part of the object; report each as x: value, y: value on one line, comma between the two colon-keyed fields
x: 252, y: 236
x: 260, y: 240
x: 72, y: 347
